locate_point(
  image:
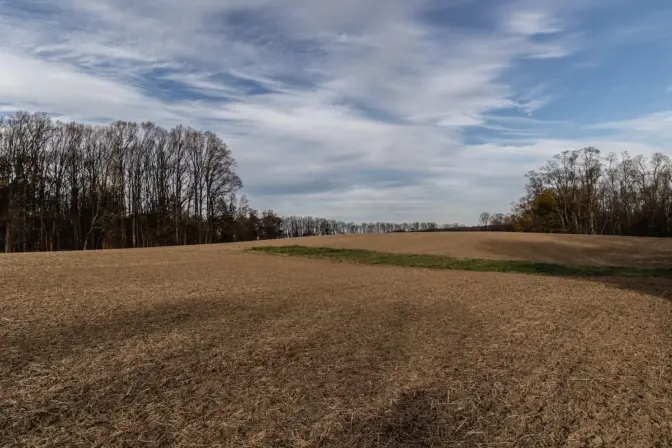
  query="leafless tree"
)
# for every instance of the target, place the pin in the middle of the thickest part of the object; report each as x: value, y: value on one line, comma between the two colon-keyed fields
x: 484, y: 219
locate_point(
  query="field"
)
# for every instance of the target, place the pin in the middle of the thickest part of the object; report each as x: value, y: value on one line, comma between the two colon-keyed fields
x: 579, y: 249
x: 220, y: 346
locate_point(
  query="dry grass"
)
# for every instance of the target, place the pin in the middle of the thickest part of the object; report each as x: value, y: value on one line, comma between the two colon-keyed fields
x: 210, y: 346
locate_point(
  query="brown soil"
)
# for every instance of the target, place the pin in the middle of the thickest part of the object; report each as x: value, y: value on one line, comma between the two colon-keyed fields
x: 575, y: 249
x: 208, y: 346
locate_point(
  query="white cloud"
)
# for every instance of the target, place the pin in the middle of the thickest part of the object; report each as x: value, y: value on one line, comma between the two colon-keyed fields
x: 203, y: 83
x: 364, y: 107
x: 658, y: 124
x: 27, y: 83
x: 529, y: 23
x: 535, y: 98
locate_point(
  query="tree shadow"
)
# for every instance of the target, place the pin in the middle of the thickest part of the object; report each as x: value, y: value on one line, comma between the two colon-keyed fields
x: 50, y: 342
x: 594, y: 251
x: 423, y: 416
x: 240, y: 382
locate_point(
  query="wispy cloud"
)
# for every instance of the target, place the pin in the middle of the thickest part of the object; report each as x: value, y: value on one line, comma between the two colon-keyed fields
x: 535, y: 98
x: 530, y: 22
x: 655, y: 127
x: 357, y: 109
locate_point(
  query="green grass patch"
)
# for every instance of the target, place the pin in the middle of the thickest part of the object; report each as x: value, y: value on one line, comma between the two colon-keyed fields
x: 463, y: 264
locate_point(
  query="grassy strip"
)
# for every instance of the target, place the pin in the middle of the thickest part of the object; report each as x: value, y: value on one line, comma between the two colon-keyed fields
x: 464, y: 264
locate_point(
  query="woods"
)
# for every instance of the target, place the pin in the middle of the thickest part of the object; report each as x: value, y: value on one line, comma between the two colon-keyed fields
x: 584, y: 192
x: 69, y: 186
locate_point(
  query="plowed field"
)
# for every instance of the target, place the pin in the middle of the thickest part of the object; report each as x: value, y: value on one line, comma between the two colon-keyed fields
x: 216, y: 346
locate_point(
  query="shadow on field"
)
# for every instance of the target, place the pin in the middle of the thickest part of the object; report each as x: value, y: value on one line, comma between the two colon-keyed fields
x: 245, y: 375
x: 420, y: 417
x: 50, y: 342
x: 584, y: 249
x: 597, y: 252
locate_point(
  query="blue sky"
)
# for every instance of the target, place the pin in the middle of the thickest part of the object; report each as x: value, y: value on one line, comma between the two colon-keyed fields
x: 358, y: 109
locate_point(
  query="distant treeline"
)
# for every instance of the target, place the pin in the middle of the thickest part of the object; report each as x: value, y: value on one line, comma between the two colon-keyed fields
x: 296, y: 226
x: 69, y: 186
x: 490, y: 228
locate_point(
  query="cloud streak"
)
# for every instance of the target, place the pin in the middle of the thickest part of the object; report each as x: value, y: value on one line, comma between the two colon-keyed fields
x: 345, y: 109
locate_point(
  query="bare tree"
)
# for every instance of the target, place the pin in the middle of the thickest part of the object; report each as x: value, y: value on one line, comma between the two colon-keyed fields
x: 484, y: 220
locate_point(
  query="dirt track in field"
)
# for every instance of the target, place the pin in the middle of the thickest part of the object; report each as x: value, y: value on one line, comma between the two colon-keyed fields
x: 208, y: 346
x: 575, y: 249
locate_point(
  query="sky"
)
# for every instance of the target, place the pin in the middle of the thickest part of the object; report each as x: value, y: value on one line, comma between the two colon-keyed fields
x: 360, y: 110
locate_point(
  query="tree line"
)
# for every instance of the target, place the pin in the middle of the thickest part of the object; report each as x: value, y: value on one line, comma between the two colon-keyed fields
x: 70, y: 186
x: 584, y: 192
x: 297, y: 226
